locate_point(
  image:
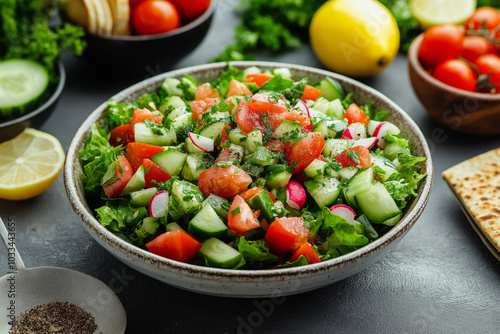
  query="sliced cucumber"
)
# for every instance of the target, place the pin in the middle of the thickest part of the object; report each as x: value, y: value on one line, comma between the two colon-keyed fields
x: 334, y: 147
x: 191, y: 147
x: 324, y: 190
x: 158, y: 136
x: 170, y: 160
x: 237, y: 137
x: 220, y: 255
x: 286, y: 127
x: 207, y: 224
x: 22, y: 84
x: 173, y: 227
x: 187, y: 195
x: 195, y: 164
x: 251, y: 70
x: 331, y: 89
x: 142, y: 197
x: 261, y: 157
x: 148, y: 227
x: 219, y: 204
x: 278, y: 180
x: 385, y: 166
x: 213, y: 131
x: 171, y: 101
x: 177, y: 112
x: 377, y: 204
x: 254, y: 140
x: 359, y: 183
x: 169, y: 85
x: 137, y: 182
x: 336, y: 109
x: 348, y: 172
x: 182, y: 120
x: 283, y: 72
x: 236, y: 152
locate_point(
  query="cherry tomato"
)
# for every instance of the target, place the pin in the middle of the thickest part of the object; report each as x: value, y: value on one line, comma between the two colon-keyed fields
x: 305, y: 151
x: 440, y: 43
x: 191, y: 9
x: 474, y: 46
x: 355, y: 114
x: 122, y: 135
x: 226, y: 182
x: 243, y: 218
x: 490, y: 63
x: 347, y: 159
x: 246, y: 118
x: 483, y: 15
x: 123, y: 174
x: 151, y: 17
x: 456, y: 73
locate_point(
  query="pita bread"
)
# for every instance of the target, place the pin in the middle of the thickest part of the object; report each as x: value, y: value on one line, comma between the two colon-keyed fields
x: 103, y: 16
x: 81, y: 12
x: 120, y: 10
x: 476, y: 183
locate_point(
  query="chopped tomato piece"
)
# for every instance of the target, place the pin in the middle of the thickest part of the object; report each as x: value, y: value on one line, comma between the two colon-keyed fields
x: 141, y: 115
x: 241, y: 218
x: 258, y: 78
x: 137, y: 152
x: 201, y: 106
x: 123, y: 174
x: 246, y: 118
x: 122, y: 135
x: 308, y: 252
x: 286, y: 234
x: 176, y: 245
x: 297, y: 116
x: 355, y: 114
x: 237, y: 88
x: 154, y: 172
x: 223, y: 136
x: 205, y: 91
x: 247, y: 194
x: 360, y: 157
x: 260, y: 102
x: 305, y: 151
x: 224, y: 155
x: 311, y: 93
x: 226, y: 182
x: 275, y: 145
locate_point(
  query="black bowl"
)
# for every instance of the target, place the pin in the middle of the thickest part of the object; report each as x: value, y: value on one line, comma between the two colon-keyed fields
x: 149, y: 54
x: 37, y: 117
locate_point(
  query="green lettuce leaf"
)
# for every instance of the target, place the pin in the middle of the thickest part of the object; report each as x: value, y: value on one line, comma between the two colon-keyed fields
x: 255, y: 251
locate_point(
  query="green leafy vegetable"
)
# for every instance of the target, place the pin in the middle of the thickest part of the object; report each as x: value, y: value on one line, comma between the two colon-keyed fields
x: 254, y: 251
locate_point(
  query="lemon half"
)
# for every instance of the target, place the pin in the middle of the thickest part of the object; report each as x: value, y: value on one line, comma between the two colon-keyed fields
x: 435, y: 12
x: 29, y: 164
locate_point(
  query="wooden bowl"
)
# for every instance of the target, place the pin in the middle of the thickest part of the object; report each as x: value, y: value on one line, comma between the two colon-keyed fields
x: 463, y: 111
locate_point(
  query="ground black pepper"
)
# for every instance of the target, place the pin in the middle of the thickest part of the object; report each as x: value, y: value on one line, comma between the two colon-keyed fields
x: 56, y: 317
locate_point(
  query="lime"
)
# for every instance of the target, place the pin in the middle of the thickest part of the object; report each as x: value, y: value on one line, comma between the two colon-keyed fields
x: 435, y: 12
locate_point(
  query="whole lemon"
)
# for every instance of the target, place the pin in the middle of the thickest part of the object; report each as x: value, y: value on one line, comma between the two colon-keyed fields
x: 354, y: 37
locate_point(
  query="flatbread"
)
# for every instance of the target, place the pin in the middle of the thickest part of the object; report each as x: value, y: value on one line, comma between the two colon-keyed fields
x: 120, y: 10
x: 81, y: 12
x: 476, y: 183
x: 104, y: 18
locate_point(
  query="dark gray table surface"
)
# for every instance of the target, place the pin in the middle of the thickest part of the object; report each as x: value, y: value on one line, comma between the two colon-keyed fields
x: 439, y: 279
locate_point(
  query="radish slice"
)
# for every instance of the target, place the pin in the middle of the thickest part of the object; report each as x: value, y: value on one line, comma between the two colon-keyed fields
x: 386, y: 129
x: 301, y: 105
x: 377, y: 129
x: 344, y: 211
x: 372, y: 125
x: 295, y: 195
x: 203, y: 143
x: 347, y: 134
x: 158, y: 205
x: 366, y: 142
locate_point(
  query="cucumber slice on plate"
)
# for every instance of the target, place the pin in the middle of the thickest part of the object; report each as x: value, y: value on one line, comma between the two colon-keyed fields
x: 22, y: 84
x: 331, y: 89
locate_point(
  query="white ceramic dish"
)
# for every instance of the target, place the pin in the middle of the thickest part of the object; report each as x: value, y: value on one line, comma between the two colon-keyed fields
x: 249, y: 283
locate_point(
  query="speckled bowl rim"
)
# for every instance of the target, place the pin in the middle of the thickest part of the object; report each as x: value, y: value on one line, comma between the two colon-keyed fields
x: 182, y: 29
x: 72, y: 170
x: 415, y: 64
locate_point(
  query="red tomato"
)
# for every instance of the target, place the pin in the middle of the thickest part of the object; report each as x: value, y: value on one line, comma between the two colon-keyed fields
x: 310, y: 93
x: 275, y: 145
x: 286, y: 234
x: 140, y: 115
x: 488, y: 16
x: 456, y: 73
x: 363, y: 155
x: 176, y: 245
x: 224, y: 155
x: 246, y: 118
x: 355, y: 114
x: 122, y: 135
x: 137, y: 152
x: 247, y: 194
x: 123, y: 174
x: 243, y: 219
x: 474, y: 46
x: 260, y: 103
x: 151, y: 17
x: 440, y: 43
x: 305, y: 151
x: 226, y: 182
x: 205, y: 91
x: 490, y: 64
x: 223, y: 136
x: 296, y: 116
x: 191, y: 9
x: 308, y: 252
x: 258, y: 78
x: 154, y: 172
x: 200, y: 107
x: 238, y: 88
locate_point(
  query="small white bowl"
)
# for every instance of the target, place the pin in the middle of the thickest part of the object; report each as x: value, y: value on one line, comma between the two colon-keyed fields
x: 249, y: 283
